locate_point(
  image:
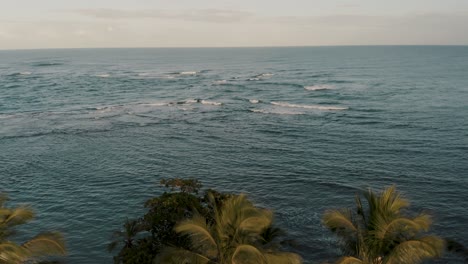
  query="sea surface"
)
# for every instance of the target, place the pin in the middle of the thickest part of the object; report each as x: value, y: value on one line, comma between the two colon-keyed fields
x: 86, y: 134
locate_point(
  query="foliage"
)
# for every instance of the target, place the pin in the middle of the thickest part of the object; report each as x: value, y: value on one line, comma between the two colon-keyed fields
x: 185, y: 185
x: 383, y: 234
x: 144, y: 238
x: 235, y: 236
x: 457, y: 248
x: 40, y: 246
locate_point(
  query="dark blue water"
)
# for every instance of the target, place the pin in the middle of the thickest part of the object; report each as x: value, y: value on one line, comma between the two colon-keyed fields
x: 85, y: 135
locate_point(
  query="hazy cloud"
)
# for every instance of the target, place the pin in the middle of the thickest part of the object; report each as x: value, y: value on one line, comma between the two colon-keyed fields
x: 114, y: 28
x: 200, y: 15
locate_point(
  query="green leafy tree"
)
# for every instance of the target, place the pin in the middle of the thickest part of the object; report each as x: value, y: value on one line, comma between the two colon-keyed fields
x: 236, y: 235
x: 144, y: 238
x: 383, y: 234
x: 36, y: 249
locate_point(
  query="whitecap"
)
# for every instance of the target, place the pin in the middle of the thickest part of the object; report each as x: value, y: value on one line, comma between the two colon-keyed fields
x: 266, y: 75
x: 253, y: 79
x: 317, y: 107
x: 188, y: 73
x: 102, y: 75
x: 318, y: 87
x: 276, y: 112
x: 155, y: 104
x: 254, y: 101
x: 5, y: 116
x: 219, y: 82
x: 190, y: 101
x: 143, y: 74
x: 205, y: 102
x: 25, y: 73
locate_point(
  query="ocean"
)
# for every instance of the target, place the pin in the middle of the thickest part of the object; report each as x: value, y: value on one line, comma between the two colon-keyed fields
x: 86, y: 134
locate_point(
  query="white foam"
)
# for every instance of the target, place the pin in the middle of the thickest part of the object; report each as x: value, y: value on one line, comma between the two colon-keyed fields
x: 25, y: 73
x: 318, y: 87
x: 5, y: 116
x: 220, y: 82
x: 205, y: 102
x: 190, y: 101
x: 266, y: 75
x: 155, y: 104
x: 253, y: 79
x: 188, y: 73
x: 103, y: 75
x: 317, y: 107
x: 153, y: 75
x: 254, y: 101
x: 276, y: 112
x: 104, y: 109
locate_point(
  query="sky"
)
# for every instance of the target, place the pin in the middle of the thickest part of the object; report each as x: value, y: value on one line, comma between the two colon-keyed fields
x: 36, y: 24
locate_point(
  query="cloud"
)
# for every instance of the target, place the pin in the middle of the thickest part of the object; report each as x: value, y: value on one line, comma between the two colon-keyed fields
x: 177, y: 29
x: 199, y: 15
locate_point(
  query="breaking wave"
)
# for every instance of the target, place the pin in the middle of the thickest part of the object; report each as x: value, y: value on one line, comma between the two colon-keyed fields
x: 318, y: 87
x: 317, y: 107
x: 205, y: 102
x: 276, y: 112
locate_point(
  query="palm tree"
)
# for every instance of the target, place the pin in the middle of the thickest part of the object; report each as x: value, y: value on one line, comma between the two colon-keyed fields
x: 383, y: 234
x: 126, y: 237
x: 234, y: 236
x: 42, y: 245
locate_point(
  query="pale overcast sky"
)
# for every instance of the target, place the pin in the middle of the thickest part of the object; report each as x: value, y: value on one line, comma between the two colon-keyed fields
x: 218, y: 23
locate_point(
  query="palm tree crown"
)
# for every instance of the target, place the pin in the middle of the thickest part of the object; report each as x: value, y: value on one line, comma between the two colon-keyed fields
x: 44, y: 244
x: 234, y: 237
x: 383, y: 234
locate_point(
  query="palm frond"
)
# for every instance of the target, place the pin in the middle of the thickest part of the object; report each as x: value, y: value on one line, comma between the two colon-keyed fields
x: 350, y: 260
x: 247, y: 254
x: 12, y: 253
x: 415, y: 251
x: 256, y: 224
x: 283, y: 258
x: 339, y: 220
x: 46, y: 244
x: 199, y: 232
x: 172, y: 255
x: 394, y: 227
x: 16, y: 216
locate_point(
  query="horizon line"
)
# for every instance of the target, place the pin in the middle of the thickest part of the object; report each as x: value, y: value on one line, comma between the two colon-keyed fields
x: 240, y: 47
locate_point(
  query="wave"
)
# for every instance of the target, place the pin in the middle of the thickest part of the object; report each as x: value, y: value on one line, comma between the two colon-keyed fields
x: 260, y: 76
x: 102, y: 75
x: 316, y: 107
x: 155, y: 104
x: 7, y: 116
x: 220, y: 82
x: 265, y: 75
x: 340, y: 81
x: 276, y: 112
x: 20, y: 73
x: 254, y: 101
x: 205, y: 102
x: 153, y: 75
x: 46, y: 64
x: 189, y: 101
x: 187, y: 73
x: 319, y: 87
x: 283, y: 84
